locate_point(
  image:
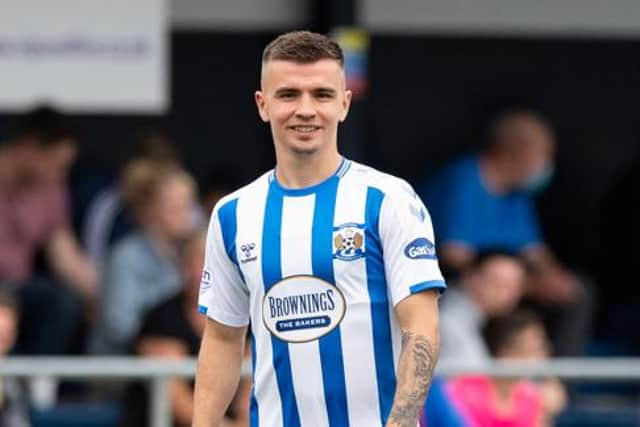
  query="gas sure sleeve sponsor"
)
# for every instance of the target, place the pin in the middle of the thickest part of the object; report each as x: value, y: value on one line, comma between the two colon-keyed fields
x: 302, y: 308
x: 420, y: 248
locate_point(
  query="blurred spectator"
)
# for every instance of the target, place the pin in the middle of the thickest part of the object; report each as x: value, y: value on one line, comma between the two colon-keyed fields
x: 491, y: 286
x: 173, y: 330
x: 508, y: 402
x: 143, y: 267
x: 34, y: 218
x: 106, y: 219
x: 485, y: 200
x: 13, y: 405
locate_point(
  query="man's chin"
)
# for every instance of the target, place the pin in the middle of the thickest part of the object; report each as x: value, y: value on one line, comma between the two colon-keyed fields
x: 304, y: 151
x: 302, y: 147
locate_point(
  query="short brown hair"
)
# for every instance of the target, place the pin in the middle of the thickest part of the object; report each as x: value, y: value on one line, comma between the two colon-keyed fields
x: 501, y: 330
x: 44, y: 125
x: 502, y: 125
x: 303, y: 47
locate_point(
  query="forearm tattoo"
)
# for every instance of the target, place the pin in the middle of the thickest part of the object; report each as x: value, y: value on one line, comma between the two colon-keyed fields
x: 415, y: 372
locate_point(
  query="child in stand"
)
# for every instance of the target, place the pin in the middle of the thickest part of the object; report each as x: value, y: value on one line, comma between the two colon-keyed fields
x: 510, y: 402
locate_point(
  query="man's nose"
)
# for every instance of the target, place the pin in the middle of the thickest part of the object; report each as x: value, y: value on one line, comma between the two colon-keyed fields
x: 306, y: 108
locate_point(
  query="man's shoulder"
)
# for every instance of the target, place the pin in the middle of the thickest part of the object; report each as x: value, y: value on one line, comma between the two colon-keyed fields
x: 387, y: 183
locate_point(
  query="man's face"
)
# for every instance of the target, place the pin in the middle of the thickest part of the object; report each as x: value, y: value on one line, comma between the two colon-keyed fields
x: 59, y: 159
x: 171, y: 210
x: 537, y: 150
x: 47, y: 163
x: 304, y: 104
x: 531, y: 344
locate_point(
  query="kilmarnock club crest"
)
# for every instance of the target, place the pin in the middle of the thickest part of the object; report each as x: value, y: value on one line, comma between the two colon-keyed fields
x: 348, y: 241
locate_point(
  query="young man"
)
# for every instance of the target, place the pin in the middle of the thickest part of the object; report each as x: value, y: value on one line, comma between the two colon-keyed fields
x: 332, y: 264
x: 35, y: 218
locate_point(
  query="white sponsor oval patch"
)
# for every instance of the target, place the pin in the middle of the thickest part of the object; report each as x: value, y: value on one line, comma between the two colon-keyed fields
x: 302, y: 308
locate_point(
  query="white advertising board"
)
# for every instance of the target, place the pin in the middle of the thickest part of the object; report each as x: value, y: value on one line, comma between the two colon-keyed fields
x: 93, y: 56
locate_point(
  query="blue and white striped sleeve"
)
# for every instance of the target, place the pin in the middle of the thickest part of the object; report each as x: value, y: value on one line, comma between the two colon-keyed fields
x: 223, y: 294
x: 406, y: 232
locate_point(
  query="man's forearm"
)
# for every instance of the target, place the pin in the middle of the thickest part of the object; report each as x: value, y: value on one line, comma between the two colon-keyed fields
x: 217, y: 378
x: 415, y: 372
x: 71, y: 264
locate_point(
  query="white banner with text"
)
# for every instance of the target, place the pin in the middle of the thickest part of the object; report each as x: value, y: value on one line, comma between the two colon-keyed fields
x: 85, y: 56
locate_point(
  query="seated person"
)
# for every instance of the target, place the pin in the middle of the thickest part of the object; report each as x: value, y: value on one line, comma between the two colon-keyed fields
x: 491, y: 286
x: 485, y: 200
x: 173, y: 330
x: 34, y: 218
x: 143, y: 267
x: 13, y: 406
x: 509, y: 402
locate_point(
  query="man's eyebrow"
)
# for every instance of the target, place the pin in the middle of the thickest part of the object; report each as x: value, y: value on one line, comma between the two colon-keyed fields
x: 287, y: 89
x: 325, y: 89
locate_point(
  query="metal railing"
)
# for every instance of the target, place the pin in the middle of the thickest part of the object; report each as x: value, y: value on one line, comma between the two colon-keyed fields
x: 157, y: 372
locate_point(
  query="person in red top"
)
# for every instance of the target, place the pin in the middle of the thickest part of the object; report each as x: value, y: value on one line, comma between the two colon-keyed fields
x: 35, y: 218
x: 509, y: 402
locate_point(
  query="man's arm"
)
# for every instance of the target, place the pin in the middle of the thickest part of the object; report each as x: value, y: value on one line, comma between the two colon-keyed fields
x: 418, y: 318
x: 70, y: 263
x: 218, y: 373
x: 548, y: 281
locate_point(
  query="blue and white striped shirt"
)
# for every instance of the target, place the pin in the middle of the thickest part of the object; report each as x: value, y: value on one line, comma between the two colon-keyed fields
x: 316, y: 272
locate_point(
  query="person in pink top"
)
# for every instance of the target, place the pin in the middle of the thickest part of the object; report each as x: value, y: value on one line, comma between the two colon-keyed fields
x: 508, y: 402
x: 34, y: 218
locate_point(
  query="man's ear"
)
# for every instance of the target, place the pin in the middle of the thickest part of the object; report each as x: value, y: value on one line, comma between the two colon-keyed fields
x: 260, y: 103
x: 346, y: 104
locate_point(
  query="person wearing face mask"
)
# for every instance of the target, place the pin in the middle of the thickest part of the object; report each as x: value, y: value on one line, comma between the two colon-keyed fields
x: 485, y: 200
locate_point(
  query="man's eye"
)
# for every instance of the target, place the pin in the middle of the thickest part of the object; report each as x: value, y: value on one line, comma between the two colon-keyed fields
x: 286, y: 95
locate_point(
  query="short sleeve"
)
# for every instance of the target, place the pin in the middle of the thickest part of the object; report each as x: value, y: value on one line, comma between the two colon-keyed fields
x: 407, y: 238
x: 223, y: 294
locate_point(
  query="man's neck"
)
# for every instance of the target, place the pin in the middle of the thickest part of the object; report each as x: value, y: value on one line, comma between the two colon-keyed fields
x: 301, y: 171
